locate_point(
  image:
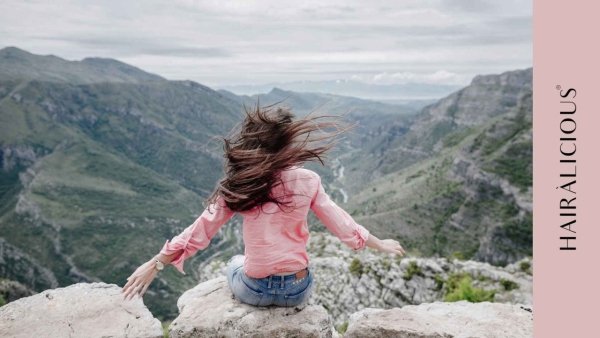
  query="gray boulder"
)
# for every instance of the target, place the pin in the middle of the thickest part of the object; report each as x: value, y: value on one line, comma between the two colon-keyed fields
x: 210, y: 310
x: 81, y: 310
x: 444, y: 320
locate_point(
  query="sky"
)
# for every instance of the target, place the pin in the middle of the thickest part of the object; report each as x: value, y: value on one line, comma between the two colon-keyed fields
x: 219, y: 43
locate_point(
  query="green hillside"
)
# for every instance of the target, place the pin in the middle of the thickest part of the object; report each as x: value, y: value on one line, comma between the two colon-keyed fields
x: 456, y: 178
x: 18, y: 64
x: 97, y: 176
x: 102, y: 162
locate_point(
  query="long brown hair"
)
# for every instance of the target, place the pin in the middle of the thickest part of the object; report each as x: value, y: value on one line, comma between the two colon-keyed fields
x: 271, y: 140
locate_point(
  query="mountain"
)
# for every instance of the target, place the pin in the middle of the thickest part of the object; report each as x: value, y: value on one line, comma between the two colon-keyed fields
x: 367, y: 112
x: 95, y: 176
x: 102, y: 162
x: 456, y: 178
x: 19, y: 64
x: 393, y: 93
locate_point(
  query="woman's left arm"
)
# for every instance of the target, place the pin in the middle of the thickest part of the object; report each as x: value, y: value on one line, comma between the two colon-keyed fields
x: 195, y: 237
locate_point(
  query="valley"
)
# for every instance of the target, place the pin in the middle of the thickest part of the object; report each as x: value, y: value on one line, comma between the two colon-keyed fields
x: 101, y: 162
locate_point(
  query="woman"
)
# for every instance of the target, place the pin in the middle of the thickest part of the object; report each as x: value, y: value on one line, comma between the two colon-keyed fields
x: 266, y: 183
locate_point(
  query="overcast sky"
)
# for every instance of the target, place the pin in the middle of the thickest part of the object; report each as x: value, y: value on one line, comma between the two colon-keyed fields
x: 251, y: 42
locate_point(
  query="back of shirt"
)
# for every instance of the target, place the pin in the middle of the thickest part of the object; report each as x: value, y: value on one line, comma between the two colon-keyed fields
x: 275, y: 236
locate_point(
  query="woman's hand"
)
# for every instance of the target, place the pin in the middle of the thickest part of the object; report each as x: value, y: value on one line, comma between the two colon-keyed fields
x: 140, y: 279
x: 387, y: 245
x: 392, y: 247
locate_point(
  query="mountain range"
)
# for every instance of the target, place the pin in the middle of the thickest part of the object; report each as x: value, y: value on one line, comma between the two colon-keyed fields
x: 415, y: 94
x: 102, y: 162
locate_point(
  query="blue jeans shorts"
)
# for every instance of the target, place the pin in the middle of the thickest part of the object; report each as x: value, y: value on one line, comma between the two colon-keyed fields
x: 271, y: 290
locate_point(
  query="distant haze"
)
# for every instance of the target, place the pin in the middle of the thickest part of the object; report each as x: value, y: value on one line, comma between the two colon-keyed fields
x: 232, y: 43
x: 390, y: 93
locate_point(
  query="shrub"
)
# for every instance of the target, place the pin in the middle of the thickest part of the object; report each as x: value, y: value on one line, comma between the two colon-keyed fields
x: 439, y: 281
x: 525, y: 266
x: 465, y: 291
x: 413, y: 269
x: 509, y: 285
x: 458, y: 255
x: 356, y: 267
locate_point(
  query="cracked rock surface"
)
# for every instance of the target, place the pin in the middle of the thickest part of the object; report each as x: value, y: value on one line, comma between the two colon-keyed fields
x: 444, y: 320
x: 210, y: 310
x: 79, y: 310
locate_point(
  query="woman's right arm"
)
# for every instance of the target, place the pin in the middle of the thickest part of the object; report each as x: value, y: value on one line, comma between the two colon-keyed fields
x: 387, y: 245
x: 344, y: 227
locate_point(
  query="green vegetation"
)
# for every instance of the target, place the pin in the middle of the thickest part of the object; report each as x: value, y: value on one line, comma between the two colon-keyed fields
x: 413, y: 176
x: 439, y: 239
x: 520, y: 232
x: 519, y: 124
x: 459, y: 288
x: 128, y: 158
x: 458, y: 255
x: 438, y: 131
x: 526, y: 267
x: 111, y: 158
x: 2, y: 301
x: 457, y: 137
x: 509, y: 285
x: 342, y: 329
x: 216, y: 266
x: 356, y: 267
x: 165, y: 326
x: 439, y: 281
x: 516, y: 165
x: 413, y: 270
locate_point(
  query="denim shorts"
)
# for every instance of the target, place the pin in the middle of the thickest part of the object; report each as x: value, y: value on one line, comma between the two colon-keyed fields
x: 271, y: 290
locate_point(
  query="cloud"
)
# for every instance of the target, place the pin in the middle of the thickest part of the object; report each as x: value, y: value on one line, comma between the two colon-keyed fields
x: 124, y: 46
x: 240, y: 42
x: 385, y: 78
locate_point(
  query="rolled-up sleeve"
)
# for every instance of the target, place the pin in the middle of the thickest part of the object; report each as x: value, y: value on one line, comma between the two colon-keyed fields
x: 337, y: 220
x: 198, y: 235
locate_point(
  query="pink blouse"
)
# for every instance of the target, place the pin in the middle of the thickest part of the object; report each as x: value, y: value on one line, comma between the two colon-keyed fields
x: 275, y: 240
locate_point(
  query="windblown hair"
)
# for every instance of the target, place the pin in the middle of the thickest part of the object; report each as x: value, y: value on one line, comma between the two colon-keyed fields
x: 271, y: 140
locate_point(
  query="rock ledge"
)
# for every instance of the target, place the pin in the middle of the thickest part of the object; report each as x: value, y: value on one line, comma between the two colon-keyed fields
x: 210, y: 310
x: 444, y: 320
x: 80, y: 310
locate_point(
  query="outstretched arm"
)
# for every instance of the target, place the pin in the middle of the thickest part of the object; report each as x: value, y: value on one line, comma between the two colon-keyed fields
x: 387, y: 245
x: 195, y: 237
x: 345, y: 228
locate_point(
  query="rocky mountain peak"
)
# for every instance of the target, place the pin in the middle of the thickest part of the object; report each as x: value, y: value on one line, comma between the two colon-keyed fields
x: 518, y: 78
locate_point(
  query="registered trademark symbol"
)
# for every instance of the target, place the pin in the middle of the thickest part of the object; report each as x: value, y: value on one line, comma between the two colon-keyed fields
x: 558, y: 87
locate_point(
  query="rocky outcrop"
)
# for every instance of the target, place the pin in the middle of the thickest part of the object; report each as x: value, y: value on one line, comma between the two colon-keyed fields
x: 80, y: 310
x: 210, y: 310
x: 444, y: 320
x: 348, y: 281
